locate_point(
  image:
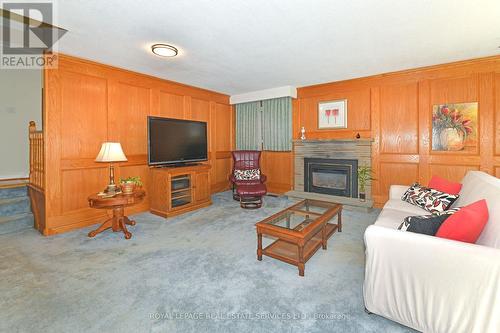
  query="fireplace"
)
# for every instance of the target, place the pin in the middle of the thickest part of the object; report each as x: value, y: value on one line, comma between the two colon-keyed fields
x: 331, y: 176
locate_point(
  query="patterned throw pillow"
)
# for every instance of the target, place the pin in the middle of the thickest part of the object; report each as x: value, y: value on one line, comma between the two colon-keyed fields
x: 250, y: 174
x: 426, y: 224
x: 429, y: 199
x: 449, y: 211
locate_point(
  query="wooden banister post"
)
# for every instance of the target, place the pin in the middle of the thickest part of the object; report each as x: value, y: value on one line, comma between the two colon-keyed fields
x: 36, y: 156
x: 31, y: 129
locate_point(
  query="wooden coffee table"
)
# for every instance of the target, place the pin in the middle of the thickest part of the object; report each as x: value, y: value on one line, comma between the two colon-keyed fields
x: 300, y: 231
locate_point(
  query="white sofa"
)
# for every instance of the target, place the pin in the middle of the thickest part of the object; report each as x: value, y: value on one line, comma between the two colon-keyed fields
x: 433, y: 284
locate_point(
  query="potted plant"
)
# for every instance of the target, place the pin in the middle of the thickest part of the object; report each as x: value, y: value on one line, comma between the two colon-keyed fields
x: 364, y: 176
x: 129, y: 184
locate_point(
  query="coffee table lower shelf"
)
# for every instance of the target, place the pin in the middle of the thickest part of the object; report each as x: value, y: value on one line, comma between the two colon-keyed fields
x: 289, y: 252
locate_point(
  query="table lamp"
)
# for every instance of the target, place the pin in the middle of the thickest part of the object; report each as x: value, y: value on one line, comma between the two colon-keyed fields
x: 111, y: 152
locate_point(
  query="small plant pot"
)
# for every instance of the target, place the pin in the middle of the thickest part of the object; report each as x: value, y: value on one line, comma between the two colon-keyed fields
x: 362, y: 196
x: 128, y: 188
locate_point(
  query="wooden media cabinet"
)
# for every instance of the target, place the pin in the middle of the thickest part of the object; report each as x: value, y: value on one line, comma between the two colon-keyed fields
x: 178, y: 190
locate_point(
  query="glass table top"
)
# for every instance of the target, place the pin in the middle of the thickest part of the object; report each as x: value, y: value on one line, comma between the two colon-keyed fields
x: 300, y: 215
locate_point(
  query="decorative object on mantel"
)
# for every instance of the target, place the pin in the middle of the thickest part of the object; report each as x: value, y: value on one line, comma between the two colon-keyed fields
x: 358, y: 136
x: 129, y: 184
x: 111, y: 152
x: 332, y: 114
x: 364, y: 176
x: 454, y: 126
x: 303, y: 133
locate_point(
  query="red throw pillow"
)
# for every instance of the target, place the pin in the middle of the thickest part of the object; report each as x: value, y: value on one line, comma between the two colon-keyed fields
x: 466, y: 224
x: 444, y: 185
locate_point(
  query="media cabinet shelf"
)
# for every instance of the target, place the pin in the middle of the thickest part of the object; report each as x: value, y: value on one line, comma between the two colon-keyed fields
x: 178, y: 190
x: 181, y: 196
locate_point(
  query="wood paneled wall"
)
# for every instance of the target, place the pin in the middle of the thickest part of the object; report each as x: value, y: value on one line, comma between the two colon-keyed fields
x: 277, y: 166
x: 395, y: 109
x: 87, y: 103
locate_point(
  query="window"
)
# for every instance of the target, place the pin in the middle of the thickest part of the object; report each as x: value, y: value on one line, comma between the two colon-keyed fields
x: 264, y: 125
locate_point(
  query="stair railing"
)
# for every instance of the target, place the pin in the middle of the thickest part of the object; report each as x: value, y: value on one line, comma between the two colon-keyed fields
x: 37, y: 165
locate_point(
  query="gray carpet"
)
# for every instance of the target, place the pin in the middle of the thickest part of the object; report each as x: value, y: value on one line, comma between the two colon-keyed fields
x: 193, y: 273
x: 15, y: 210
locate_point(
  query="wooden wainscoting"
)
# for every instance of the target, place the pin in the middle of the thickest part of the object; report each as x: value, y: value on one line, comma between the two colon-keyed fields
x: 223, y: 142
x: 86, y: 103
x: 277, y: 166
x: 395, y: 109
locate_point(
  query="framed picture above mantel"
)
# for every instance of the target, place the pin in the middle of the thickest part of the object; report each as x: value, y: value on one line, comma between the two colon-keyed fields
x: 332, y: 114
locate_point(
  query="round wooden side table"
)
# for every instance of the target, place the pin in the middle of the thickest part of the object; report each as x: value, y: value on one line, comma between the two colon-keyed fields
x: 117, y: 203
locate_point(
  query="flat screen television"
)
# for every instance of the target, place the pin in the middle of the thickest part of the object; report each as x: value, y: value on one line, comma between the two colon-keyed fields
x: 176, y: 141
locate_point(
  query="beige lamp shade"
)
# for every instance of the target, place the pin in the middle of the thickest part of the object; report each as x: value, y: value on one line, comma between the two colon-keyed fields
x: 111, y: 152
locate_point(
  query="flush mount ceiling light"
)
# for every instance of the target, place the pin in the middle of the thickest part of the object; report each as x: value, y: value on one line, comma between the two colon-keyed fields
x: 164, y: 50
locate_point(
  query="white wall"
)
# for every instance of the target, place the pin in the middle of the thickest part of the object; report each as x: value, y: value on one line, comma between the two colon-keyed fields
x: 20, y: 102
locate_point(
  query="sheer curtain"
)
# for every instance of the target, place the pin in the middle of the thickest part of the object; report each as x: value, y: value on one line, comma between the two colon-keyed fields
x: 248, y: 126
x: 265, y: 125
x: 277, y: 124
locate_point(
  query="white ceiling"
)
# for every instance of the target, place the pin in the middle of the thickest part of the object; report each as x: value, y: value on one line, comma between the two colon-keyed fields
x: 237, y: 46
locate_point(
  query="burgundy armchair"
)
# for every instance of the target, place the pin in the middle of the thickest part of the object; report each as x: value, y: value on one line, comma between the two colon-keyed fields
x: 248, y: 191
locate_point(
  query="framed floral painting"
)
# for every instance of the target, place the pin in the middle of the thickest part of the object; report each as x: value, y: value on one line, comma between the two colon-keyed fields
x: 454, y: 127
x: 332, y: 114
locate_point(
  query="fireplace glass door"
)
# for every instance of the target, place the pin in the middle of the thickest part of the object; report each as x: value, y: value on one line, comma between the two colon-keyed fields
x: 331, y: 176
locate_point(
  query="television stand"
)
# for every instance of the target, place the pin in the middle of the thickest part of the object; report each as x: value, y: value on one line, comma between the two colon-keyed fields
x: 180, y: 189
x: 180, y: 165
